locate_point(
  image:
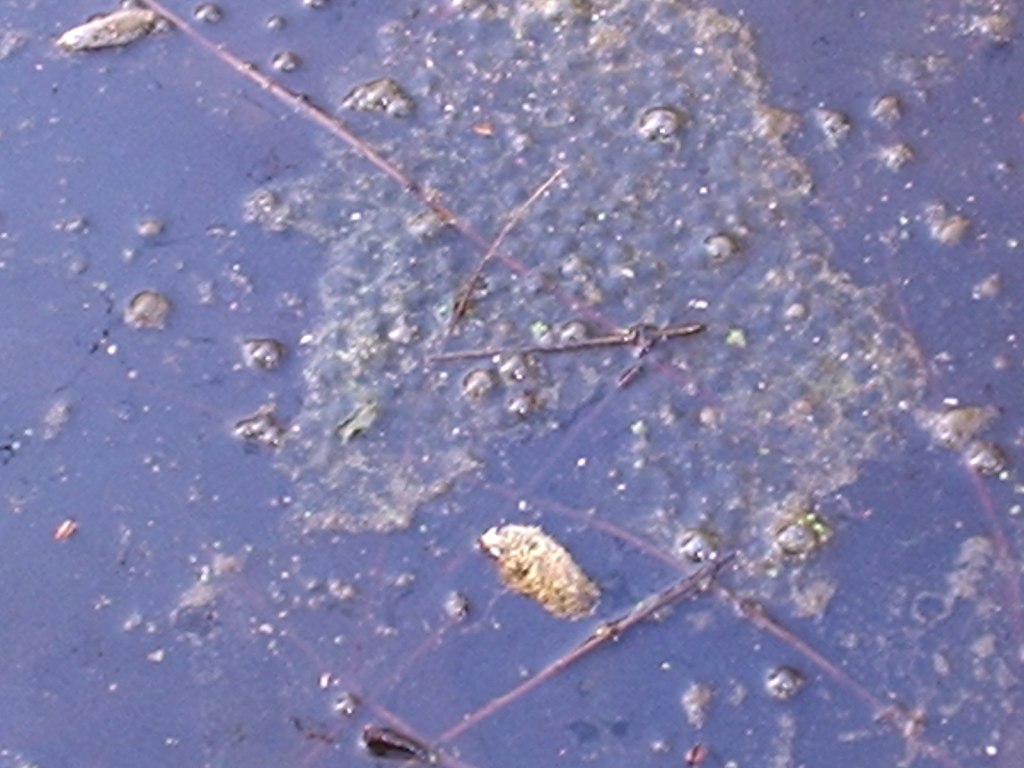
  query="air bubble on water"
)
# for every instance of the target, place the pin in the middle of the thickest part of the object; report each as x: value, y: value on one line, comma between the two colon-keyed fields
x: 697, y: 545
x: 661, y: 123
x: 263, y: 354
x: 720, y: 247
x: 800, y: 532
x: 996, y: 27
x: 456, y: 606
x: 262, y: 428
x: 523, y: 404
x: 382, y: 95
x: 815, y: 393
x: 285, y: 61
x: 985, y: 457
x: 774, y: 124
x: 887, y: 109
x: 696, y: 702
x: 945, y: 227
x: 209, y: 13
x: 147, y: 310
x: 517, y: 368
x: 150, y: 227
x: 895, y: 156
x: 478, y: 383
x: 989, y: 287
x: 426, y: 224
x: 783, y: 683
x: 957, y: 426
x: 264, y: 207
x: 833, y: 125
x: 557, y: 10
x: 573, y: 331
x: 196, y: 613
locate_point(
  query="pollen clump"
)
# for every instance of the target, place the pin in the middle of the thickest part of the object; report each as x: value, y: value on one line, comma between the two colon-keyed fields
x: 534, y: 564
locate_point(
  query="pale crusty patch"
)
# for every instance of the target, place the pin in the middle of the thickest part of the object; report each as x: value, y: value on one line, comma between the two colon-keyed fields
x: 534, y: 564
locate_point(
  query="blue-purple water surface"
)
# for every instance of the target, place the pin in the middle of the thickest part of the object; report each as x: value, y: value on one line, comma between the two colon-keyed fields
x: 191, y: 618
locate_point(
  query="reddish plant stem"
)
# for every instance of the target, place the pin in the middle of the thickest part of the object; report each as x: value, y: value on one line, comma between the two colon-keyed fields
x: 633, y: 338
x: 465, y: 295
x: 605, y: 633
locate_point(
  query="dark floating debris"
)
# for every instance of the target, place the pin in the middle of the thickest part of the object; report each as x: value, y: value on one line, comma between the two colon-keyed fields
x: 381, y: 741
x: 110, y: 30
x: 534, y: 564
x: 383, y: 95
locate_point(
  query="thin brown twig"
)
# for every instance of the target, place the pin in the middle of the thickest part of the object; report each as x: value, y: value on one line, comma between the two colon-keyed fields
x: 640, y: 337
x: 305, y: 106
x: 465, y: 295
x: 906, y: 722
x: 605, y: 633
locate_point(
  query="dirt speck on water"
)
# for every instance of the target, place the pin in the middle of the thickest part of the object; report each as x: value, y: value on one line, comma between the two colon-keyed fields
x: 148, y: 310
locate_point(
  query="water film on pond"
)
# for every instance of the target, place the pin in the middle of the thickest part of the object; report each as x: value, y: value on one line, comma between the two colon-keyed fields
x: 693, y: 348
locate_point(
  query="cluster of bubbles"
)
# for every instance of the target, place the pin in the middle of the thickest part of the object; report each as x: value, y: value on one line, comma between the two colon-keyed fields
x: 679, y: 202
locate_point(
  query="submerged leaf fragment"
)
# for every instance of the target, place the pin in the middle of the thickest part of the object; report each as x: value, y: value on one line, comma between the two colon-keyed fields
x: 357, y: 422
x: 534, y: 564
x: 110, y: 30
